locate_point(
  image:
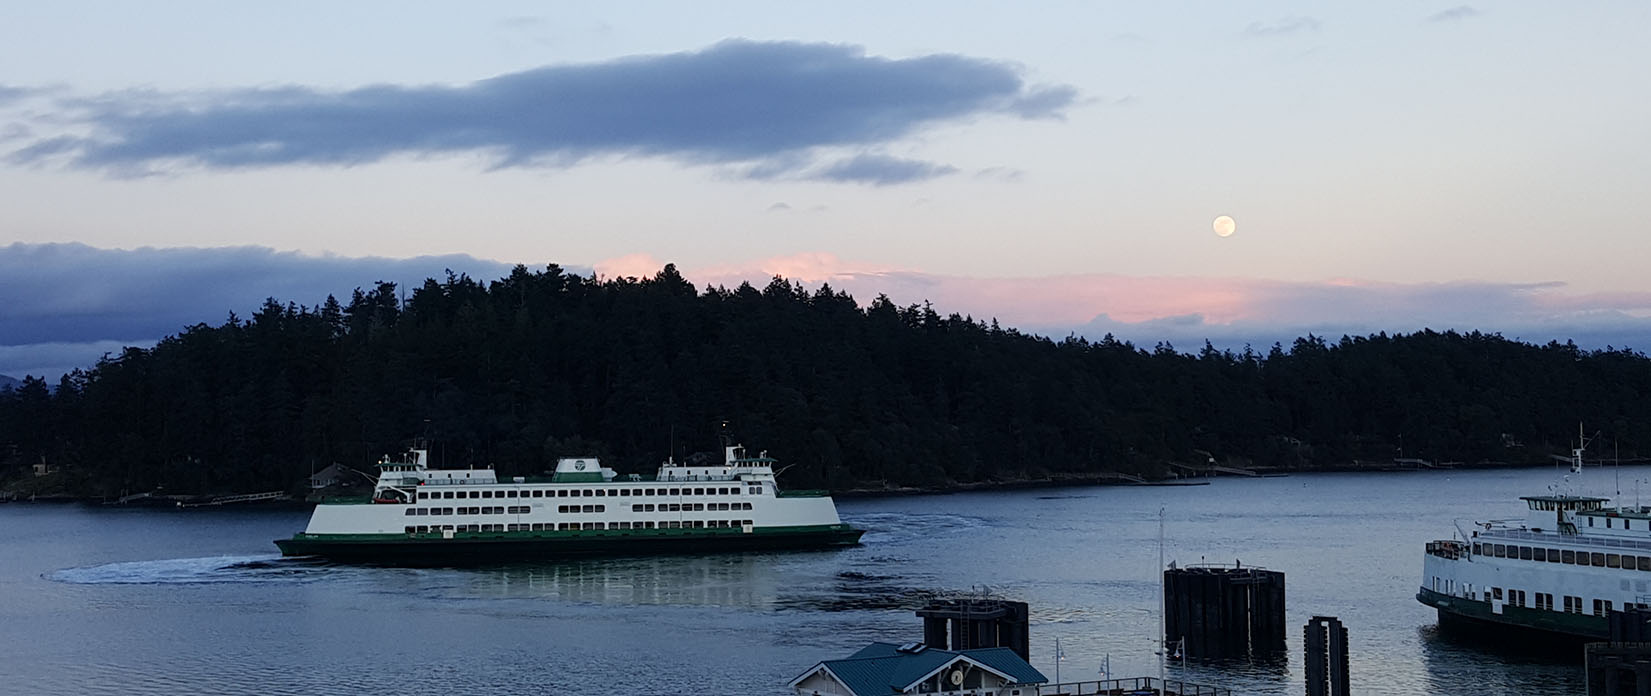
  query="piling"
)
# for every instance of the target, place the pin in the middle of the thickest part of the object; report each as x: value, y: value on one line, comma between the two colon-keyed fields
x: 1219, y: 612
x: 1325, y: 645
x: 965, y: 624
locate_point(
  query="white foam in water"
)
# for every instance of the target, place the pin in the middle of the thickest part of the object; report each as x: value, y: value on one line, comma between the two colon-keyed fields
x: 212, y: 569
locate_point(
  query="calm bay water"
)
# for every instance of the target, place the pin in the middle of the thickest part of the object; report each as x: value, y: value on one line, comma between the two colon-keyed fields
x: 99, y: 600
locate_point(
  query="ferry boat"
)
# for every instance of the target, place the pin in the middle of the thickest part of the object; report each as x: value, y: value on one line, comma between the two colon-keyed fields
x: 421, y: 515
x: 1561, y: 571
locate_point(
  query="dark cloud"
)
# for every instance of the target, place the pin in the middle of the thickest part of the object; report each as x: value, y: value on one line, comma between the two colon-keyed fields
x: 1283, y: 27
x: 66, y: 304
x: 881, y: 170
x: 12, y: 93
x: 1457, y: 13
x: 762, y: 104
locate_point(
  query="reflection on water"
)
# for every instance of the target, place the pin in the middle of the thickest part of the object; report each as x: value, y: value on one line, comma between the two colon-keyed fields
x: 1457, y: 659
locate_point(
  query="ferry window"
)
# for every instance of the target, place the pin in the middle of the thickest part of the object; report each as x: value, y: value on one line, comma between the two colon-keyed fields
x: 1553, y: 555
x: 589, y: 492
x: 747, y: 506
x: 699, y: 507
x: 1643, y: 562
x: 510, y: 494
x: 589, y: 508
x: 636, y: 508
x: 1607, y: 523
x: 624, y: 492
x: 409, y: 530
x: 1597, y: 558
x: 411, y: 512
x: 1590, y: 521
x: 1476, y: 550
x: 699, y: 491
x: 647, y: 491
x: 1525, y: 553
x: 601, y: 493
x: 1499, y: 550
x: 1569, y: 556
x: 673, y: 491
x: 1613, y: 561
x: 1496, y: 593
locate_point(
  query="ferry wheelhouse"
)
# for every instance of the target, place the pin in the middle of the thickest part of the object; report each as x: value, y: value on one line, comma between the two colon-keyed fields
x: 1561, y: 570
x: 418, y: 514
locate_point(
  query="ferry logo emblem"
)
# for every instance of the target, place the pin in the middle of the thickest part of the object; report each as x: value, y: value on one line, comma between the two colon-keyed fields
x: 580, y: 465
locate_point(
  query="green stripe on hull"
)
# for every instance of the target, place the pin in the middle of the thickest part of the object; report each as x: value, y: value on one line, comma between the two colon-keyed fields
x: 1558, y: 622
x: 433, y: 548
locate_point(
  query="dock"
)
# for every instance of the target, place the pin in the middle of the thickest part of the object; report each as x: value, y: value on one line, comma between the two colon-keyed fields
x: 233, y: 499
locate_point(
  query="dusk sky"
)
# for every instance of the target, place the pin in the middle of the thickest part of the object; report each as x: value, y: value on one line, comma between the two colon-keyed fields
x: 1390, y: 166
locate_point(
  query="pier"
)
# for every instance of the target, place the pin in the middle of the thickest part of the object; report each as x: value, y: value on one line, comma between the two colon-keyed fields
x: 232, y: 499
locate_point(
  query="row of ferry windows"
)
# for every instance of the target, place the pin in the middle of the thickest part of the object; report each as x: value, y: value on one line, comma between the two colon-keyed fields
x: 689, y: 507
x: 1545, y: 601
x: 1537, y: 553
x: 584, y: 492
x: 566, y: 509
x: 510, y: 510
x: 576, y: 526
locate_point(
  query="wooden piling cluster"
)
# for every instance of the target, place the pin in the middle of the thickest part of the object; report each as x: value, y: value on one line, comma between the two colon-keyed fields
x: 1218, y: 612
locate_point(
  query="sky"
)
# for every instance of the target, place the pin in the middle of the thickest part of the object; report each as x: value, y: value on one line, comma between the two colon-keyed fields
x: 1056, y: 166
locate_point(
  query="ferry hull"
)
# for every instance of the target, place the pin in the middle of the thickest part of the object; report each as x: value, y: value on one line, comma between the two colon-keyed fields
x: 1477, y: 615
x: 485, y: 547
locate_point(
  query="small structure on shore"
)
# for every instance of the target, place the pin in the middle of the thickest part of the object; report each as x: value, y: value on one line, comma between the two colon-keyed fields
x: 882, y: 669
x: 333, y: 475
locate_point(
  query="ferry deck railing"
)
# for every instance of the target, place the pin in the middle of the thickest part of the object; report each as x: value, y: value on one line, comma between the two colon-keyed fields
x: 1132, y: 686
x: 1565, y: 539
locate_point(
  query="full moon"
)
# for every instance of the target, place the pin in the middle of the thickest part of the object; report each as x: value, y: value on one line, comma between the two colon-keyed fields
x: 1224, y: 226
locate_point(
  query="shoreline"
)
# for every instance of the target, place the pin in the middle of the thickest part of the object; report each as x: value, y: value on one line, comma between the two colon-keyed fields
x: 1053, y: 481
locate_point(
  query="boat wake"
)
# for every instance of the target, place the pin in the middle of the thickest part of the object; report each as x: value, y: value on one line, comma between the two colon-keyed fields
x: 192, y: 571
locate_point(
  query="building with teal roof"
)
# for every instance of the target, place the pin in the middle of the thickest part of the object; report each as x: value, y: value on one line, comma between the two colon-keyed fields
x: 883, y: 669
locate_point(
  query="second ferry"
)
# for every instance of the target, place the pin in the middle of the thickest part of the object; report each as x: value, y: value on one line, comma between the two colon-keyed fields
x: 418, y: 515
x: 1562, y: 570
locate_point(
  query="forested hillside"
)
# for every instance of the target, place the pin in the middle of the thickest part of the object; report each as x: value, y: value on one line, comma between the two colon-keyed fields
x: 518, y: 371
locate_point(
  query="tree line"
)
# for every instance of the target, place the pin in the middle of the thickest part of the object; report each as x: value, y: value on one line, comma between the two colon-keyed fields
x: 518, y: 371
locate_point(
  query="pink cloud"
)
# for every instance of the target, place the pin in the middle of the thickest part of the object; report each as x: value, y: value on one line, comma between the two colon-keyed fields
x: 1154, y: 308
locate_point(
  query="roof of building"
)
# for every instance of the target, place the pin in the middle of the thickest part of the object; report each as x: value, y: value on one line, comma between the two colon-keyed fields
x: 883, y: 668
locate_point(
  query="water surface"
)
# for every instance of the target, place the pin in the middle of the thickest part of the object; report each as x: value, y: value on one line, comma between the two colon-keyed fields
x: 101, y: 600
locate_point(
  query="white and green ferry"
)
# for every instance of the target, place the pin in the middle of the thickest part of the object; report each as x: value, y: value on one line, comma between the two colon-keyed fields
x: 1561, y: 570
x: 421, y: 515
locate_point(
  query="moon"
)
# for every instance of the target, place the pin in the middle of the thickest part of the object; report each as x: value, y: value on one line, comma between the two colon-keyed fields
x: 1224, y: 226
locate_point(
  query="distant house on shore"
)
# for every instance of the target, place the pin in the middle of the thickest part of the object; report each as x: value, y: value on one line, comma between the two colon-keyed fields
x: 885, y: 668
x: 331, y: 476
x: 40, y: 468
